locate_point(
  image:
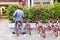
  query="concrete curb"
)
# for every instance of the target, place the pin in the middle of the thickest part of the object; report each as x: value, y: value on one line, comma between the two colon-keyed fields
x: 11, y: 25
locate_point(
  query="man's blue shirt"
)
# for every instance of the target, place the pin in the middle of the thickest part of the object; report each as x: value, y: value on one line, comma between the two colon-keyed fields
x: 18, y: 15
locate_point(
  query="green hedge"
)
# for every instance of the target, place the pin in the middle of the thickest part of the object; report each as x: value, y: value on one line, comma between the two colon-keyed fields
x: 45, y: 12
x: 10, y: 10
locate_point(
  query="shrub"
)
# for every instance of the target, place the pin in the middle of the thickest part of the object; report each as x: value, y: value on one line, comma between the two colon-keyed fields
x: 45, y: 12
x: 10, y: 10
x: 26, y: 13
x: 57, y: 10
x: 41, y: 12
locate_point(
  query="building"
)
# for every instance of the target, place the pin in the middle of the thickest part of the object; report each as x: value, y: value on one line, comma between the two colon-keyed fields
x: 33, y: 2
x: 5, y: 3
x: 57, y: 0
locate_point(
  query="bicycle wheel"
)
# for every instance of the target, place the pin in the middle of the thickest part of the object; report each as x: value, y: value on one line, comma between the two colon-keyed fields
x: 18, y: 28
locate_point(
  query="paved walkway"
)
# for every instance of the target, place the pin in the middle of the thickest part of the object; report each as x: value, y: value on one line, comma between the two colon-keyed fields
x: 6, y: 33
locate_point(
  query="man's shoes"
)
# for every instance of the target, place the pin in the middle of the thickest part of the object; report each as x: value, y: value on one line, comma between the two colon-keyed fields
x: 24, y: 33
x: 21, y: 33
x: 13, y: 32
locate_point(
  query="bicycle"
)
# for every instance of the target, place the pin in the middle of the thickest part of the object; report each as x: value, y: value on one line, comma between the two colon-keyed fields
x: 28, y: 28
x: 41, y: 29
x: 55, y: 31
x: 18, y: 28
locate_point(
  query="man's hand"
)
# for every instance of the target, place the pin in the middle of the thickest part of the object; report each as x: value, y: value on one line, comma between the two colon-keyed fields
x: 13, y: 18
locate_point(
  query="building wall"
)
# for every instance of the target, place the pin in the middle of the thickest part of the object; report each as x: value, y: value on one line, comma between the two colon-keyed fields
x: 4, y: 3
x: 26, y: 3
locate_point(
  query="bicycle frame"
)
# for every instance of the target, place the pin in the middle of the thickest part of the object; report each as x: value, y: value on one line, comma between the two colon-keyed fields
x: 18, y: 28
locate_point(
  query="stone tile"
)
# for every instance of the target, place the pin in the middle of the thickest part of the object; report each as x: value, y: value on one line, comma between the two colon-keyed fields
x: 6, y: 33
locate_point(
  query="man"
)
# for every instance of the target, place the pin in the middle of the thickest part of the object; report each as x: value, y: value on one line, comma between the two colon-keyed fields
x: 18, y: 15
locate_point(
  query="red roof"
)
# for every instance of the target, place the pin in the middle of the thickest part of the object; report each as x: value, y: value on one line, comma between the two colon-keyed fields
x: 8, y: 0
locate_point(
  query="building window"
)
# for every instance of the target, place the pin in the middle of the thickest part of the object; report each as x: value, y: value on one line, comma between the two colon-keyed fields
x: 46, y: 2
x: 24, y: 3
x: 30, y: 2
x: 58, y: 0
x: 36, y: 2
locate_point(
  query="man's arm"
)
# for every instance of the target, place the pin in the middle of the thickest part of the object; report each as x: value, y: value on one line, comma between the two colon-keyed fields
x: 14, y: 15
x: 23, y: 14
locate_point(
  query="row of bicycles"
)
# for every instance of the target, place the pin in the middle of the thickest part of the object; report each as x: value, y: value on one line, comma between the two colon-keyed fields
x: 51, y: 26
